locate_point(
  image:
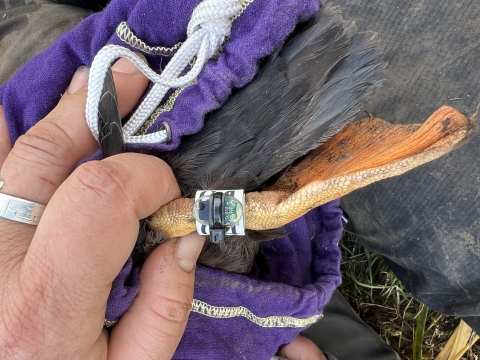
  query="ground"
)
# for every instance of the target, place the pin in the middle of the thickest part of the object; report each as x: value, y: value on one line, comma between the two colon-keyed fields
x: 383, y: 303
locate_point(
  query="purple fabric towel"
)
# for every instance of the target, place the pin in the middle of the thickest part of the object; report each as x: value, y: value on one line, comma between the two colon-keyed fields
x: 32, y: 93
x: 234, y: 316
x: 293, y: 278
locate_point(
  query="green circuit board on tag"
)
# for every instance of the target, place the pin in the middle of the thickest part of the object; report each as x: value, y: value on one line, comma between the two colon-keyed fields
x: 233, y: 210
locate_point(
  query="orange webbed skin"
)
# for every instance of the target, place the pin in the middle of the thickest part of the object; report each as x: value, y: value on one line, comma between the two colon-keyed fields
x: 362, y: 153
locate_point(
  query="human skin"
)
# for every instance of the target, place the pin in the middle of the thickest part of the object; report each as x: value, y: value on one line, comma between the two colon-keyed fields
x: 56, y: 277
x: 301, y: 348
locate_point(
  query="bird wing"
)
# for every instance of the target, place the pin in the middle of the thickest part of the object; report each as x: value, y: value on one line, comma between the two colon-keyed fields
x: 304, y: 94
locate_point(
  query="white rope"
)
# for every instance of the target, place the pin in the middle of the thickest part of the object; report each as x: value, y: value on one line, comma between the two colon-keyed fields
x: 209, y: 25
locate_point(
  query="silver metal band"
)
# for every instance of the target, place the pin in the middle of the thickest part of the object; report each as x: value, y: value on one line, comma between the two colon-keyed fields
x: 21, y: 210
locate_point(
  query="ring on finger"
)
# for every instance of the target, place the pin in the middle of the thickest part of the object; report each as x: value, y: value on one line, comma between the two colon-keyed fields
x: 20, y: 210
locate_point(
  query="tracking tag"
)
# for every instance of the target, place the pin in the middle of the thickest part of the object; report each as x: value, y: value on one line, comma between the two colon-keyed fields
x: 220, y: 213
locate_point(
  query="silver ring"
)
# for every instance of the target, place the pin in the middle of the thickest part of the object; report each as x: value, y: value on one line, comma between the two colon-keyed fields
x: 20, y: 210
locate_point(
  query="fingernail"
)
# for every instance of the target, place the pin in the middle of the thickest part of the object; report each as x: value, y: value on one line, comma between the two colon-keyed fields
x: 79, y: 80
x: 126, y: 66
x: 188, y: 249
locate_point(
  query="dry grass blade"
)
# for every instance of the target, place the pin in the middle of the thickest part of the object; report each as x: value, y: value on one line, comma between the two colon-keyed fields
x: 459, y: 343
x: 383, y: 303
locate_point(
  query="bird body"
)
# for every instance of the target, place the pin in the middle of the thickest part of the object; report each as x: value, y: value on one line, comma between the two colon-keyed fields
x: 304, y: 93
x: 284, y: 139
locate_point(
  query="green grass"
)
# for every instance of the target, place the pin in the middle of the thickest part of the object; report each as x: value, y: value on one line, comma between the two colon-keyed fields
x: 383, y: 303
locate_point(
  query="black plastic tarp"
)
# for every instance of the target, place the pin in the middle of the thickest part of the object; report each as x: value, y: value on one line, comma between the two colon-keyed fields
x: 426, y: 223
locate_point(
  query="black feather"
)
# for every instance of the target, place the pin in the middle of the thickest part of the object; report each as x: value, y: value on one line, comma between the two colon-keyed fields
x: 112, y: 143
x: 109, y: 121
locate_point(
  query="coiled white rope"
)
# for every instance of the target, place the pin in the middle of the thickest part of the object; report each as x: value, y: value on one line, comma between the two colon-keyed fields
x: 209, y: 25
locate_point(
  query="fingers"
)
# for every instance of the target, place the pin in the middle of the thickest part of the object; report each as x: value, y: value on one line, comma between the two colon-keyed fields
x: 86, y: 234
x: 44, y: 157
x: 301, y: 348
x: 154, y: 324
x: 5, y: 142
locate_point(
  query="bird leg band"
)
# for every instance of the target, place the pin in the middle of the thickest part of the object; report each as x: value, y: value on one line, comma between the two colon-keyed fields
x: 362, y: 153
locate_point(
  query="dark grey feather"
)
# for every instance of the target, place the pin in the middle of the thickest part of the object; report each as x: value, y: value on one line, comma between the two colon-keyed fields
x: 112, y: 143
x: 303, y: 95
x: 109, y: 120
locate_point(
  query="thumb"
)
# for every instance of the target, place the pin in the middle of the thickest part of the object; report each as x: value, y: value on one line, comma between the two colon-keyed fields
x: 155, y: 323
x: 301, y: 348
x: 51, y: 149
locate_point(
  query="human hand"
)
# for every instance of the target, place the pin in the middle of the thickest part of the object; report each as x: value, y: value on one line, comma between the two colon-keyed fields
x: 301, y: 348
x: 56, y: 277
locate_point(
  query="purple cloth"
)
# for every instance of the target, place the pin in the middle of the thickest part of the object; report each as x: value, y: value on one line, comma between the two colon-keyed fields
x: 34, y: 90
x: 293, y: 276
x: 124, y: 289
